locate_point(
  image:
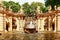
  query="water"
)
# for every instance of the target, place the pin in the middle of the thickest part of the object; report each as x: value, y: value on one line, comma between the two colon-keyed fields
x: 30, y: 25
x: 35, y: 36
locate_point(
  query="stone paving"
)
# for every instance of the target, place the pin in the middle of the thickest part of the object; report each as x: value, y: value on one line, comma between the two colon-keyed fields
x: 35, y: 36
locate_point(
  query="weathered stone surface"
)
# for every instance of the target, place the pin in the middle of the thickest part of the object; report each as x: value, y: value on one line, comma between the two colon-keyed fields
x: 35, y: 36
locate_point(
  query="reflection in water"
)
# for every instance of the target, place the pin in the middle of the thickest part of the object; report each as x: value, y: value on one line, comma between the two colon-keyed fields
x: 30, y: 37
x: 48, y: 37
x: 36, y: 36
x: 13, y: 37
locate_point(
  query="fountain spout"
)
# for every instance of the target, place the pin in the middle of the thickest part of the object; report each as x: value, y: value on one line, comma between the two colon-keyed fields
x: 31, y: 25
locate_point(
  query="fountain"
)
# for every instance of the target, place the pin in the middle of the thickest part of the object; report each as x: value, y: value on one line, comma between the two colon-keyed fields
x: 30, y: 25
x: 30, y: 28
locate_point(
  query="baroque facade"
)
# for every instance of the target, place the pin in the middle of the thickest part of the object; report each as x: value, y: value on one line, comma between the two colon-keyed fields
x: 10, y: 21
x: 44, y: 22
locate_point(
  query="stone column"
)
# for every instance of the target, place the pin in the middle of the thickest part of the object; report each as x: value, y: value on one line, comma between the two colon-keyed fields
x: 49, y: 23
x: 58, y: 22
x: 21, y: 25
x: 4, y: 22
x: 55, y: 24
x: 10, y: 21
x: 40, y: 24
x: 17, y: 21
x: 1, y: 22
x: 5, y: 19
x: 36, y: 25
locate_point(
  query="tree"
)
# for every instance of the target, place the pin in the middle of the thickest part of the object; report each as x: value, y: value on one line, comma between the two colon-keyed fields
x: 12, y: 5
x: 34, y: 6
x: 16, y: 7
x: 43, y: 9
x: 31, y: 10
x: 52, y: 3
x: 6, y: 4
x: 26, y: 9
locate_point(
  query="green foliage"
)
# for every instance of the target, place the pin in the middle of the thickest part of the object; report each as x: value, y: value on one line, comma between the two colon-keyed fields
x: 16, y: 7
x: 12, y: 5
x: 6, y: 4
x: 34, y: 6
x: 30, y: 10
x: 52, y: 3
x: 26, y: 9
x: 43, y: 9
